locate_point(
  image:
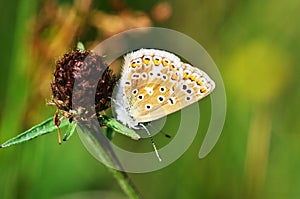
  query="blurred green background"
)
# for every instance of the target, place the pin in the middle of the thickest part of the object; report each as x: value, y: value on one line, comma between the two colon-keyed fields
x: 256, y: 47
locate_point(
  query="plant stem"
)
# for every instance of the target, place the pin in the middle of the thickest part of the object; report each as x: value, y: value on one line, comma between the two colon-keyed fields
x: 100, y: 147
x: 125, y: 183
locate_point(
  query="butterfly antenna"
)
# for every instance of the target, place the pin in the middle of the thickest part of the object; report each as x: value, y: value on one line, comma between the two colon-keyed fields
x: 152, y: 142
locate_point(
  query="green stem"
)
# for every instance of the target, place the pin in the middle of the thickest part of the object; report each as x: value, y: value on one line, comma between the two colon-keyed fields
x: 101, y: 148
x: 125, y: 183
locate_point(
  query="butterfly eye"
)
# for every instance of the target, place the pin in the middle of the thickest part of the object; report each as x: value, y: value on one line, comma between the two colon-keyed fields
x: 148, y: 107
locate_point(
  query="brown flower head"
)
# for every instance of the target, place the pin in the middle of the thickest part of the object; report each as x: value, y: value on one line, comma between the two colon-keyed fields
x: 84, y: 66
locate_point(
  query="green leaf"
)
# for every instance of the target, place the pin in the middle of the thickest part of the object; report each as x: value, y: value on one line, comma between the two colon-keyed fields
x: 70, y: 130
x: 48, y: 126
x: 41, y: 129
x: 120, y: 128
x: 110, y: 133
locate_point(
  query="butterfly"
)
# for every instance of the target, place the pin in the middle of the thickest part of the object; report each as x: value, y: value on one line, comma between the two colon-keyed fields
x: 155, y: 83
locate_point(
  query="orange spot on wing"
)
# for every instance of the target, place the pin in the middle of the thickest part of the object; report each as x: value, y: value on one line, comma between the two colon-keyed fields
x: 185, y: 75
x: 203, y: 90
x: 156, y: 61
x: 146, y: 61
x: 165, y: 62
x: 192, y: 78
x: 172, y: 66
x: 174, y: 77
x: 199, y: 83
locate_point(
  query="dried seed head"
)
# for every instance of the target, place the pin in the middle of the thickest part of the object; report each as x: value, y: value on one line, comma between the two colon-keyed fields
x: 84, y: 66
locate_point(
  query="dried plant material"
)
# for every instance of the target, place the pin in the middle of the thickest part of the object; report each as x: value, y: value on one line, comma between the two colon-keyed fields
x: 83, y: 66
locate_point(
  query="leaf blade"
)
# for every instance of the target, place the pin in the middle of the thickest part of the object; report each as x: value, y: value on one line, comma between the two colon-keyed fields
x: 120, y: 128
x: 70, y: 130
x: 43, y: 128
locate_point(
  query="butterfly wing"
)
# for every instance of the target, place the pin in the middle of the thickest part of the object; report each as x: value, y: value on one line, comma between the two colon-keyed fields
x: 190, y: 86
x: 156, y: 83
